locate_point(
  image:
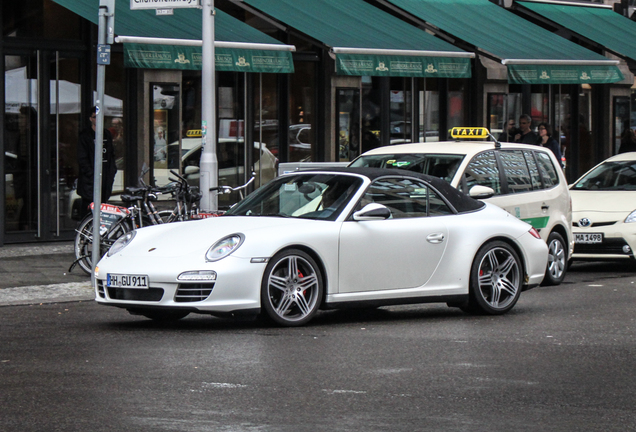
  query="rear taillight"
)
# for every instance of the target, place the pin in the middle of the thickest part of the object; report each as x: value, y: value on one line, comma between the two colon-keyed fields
x: 533, y: 231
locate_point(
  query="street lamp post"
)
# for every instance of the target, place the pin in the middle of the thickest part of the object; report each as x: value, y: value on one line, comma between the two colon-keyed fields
x: 209, y: 162
x: 105, y: 38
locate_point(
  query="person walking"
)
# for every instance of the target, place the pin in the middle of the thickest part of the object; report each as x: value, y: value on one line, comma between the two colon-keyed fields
x: 545, y: 140
x: 86, y: 162
x: 628, y: 141
x: 525, y: 134
x: 511, y: 130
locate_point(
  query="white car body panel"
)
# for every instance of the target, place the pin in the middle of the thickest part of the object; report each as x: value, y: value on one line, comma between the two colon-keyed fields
x: 390, y: 248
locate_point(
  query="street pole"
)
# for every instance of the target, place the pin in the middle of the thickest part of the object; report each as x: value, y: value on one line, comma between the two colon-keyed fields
x: 105, y: 38
x: 209, y: 163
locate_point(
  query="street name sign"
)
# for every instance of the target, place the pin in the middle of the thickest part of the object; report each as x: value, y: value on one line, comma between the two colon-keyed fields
x: 163, y: 4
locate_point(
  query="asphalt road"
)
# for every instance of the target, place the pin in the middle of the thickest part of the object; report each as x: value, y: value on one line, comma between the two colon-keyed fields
x: 562, y: 360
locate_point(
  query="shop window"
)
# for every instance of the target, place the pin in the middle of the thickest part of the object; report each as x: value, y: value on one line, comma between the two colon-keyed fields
x: 165, y: 151
x: 400, y: 110
x: 266, y: 111
x: 429, y: 111
x: 504, y: 111
x: 302, y: 122
x: 456, y: 111
x: 371, y: 108
x: 539, y: 104
x: 348, y: 127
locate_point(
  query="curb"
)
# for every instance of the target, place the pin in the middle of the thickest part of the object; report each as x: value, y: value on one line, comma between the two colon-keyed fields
x: 56, y: 293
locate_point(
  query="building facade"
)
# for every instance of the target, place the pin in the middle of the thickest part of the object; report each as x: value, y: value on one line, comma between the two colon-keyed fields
x: 296, y: 81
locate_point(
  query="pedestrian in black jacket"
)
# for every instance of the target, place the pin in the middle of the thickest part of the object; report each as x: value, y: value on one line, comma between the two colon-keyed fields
x: 86, y: 161
x: 545, y: 140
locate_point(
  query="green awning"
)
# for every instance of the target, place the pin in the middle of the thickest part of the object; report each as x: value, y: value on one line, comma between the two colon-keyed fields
x: 367, y: 41
x: 190, y: 57
x: 599, y: 23
x: 246, y: 49
x: 532, y: 54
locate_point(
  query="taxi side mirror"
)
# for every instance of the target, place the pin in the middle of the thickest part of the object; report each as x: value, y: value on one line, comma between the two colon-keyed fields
x: 481, y: 192
x: 190, y: 169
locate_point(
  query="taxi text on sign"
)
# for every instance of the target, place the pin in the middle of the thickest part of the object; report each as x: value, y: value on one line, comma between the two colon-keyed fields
x: 458, y: 132
x: 163, y: 4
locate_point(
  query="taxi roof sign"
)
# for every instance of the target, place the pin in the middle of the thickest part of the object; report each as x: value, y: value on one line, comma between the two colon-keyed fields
x: 467, y: 132
x: 194, y: 133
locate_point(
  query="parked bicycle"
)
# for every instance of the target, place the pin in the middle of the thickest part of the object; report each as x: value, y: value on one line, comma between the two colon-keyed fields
x: 115, y: 221
x: 139, y: 211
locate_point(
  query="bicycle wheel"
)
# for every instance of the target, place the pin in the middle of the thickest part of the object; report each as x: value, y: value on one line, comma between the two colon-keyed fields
x: 84, y: 241
x: 168, y: 216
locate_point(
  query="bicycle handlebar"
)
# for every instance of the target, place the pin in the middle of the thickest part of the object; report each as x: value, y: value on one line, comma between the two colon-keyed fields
x: 230, y: 189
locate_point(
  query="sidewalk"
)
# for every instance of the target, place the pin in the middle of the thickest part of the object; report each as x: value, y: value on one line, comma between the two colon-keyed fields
x: 38, y: 273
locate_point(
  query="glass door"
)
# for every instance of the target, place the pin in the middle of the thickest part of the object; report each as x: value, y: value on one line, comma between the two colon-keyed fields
x: 21, y: 145
x: 42, y: 111
x: 63, y: 127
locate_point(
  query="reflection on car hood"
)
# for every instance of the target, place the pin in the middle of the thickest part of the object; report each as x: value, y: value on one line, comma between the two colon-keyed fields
x: 603, y: 201
x: 195, y: 237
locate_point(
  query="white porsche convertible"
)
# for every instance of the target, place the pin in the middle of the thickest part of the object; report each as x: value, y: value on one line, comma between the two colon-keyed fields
x: 334, y: 238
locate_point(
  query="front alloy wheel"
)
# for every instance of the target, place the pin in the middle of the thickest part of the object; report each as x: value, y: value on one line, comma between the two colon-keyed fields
x: 495, y: 280
x: 292, y: 288
x: 557, y: 260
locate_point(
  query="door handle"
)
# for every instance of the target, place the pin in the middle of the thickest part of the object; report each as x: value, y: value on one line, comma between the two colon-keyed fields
x: 545, y: 207
x: 435, y: 238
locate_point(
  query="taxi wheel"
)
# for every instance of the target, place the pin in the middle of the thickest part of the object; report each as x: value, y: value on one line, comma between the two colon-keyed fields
x: 495, y: 280
x: 292, y: 287
x: 557, y: 260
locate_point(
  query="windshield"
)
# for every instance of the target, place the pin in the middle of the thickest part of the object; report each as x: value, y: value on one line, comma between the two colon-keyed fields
x: 619, y: 175
x: 443, y: 166
x: 308, y: 196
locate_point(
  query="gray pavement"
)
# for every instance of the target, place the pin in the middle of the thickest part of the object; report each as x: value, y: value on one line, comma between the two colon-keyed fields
x: 38, y: 273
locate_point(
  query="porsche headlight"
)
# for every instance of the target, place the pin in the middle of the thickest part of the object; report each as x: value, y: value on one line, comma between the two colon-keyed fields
x: 121, y: 242
x: 224, y: 247
x: 631, y: 218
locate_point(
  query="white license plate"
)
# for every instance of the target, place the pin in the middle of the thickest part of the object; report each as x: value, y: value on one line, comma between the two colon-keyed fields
x: 588, y: 238
x: 126, y: 281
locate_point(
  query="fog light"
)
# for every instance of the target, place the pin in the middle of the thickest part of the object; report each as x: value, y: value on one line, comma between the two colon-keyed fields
x: 627, y: 249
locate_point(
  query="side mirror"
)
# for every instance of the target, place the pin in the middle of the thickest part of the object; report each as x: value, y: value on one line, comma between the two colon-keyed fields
x: 481, y: 192
x: 373, y: 211
x: 191, y: 169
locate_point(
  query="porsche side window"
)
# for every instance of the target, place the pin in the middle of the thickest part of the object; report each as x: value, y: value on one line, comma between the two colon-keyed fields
x: 483, y: 171
x: 405, y: 198
x: 548, y: 172
x: 516, y: 170
x: 436, y: 205
x: 535, y: 177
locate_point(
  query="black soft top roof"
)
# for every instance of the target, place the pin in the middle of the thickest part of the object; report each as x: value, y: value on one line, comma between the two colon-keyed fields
x: 462, y: 203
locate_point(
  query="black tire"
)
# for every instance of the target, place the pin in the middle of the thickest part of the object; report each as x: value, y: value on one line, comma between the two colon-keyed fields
x: 167, y: 216
x: 84, y: 242
x: 168, y: 315
x: 291, y: 291
x: 496, y: 279
x: 557, y: 260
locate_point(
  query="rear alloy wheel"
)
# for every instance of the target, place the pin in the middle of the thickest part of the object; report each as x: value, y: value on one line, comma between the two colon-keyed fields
x: 557, y: 260
x: 292, y: 286
x: 495, y: 279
